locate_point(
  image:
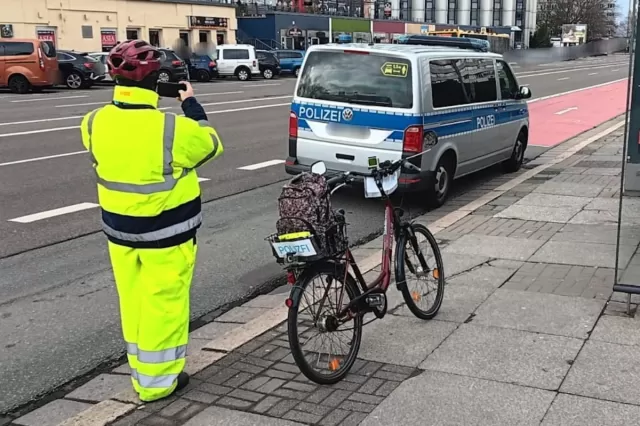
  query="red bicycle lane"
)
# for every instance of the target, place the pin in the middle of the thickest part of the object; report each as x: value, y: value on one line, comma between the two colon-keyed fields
x: 554, y: 120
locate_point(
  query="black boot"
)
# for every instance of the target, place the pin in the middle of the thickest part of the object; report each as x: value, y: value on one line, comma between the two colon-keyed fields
x: 183, y: 381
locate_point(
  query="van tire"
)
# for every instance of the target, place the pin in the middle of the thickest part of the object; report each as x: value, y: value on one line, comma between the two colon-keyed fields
x: 19, y: 84
x: 514, y: 163
x: 243, y: 73
x: 439, y: 185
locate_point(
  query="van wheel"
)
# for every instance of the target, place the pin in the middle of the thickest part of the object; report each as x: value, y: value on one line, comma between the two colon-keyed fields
x: 19, y: 84
x: 440, y: 183
x: 243, y: 74
x: 203, y: 76
x: 514, y: 163
x: 296, y: 72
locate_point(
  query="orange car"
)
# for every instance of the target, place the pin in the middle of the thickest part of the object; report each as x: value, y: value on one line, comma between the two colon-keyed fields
x: 28, y: 64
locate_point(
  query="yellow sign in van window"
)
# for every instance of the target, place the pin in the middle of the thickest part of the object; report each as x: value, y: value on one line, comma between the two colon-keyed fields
x: 394, y: 69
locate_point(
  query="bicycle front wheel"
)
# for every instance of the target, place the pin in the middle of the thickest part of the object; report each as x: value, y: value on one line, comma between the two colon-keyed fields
x: 420, y: 272
x: 323, y: 344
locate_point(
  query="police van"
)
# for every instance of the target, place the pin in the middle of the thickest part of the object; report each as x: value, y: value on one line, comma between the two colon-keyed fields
x: 450, y: 98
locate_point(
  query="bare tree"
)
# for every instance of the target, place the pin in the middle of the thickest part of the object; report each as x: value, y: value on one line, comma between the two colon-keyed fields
x: 598, y: 15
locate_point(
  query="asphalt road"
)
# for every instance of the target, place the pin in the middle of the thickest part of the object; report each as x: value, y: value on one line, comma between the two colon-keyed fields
x: 58, y: 308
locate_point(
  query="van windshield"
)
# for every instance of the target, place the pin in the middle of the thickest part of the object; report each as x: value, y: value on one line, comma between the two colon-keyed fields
x: 357, y: 78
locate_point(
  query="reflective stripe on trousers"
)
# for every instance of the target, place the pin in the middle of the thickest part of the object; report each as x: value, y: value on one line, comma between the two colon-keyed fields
x: 154, y: 382
x: 157, y: 357
x: 170, y: 181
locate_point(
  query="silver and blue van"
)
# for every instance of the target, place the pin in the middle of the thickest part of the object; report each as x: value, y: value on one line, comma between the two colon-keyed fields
x: 455, y: 100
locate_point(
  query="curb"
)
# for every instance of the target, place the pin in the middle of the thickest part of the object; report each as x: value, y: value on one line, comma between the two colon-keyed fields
x: 125, y: 402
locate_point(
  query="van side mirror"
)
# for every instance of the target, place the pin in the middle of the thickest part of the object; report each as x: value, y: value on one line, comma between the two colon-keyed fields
x: 524, y: 92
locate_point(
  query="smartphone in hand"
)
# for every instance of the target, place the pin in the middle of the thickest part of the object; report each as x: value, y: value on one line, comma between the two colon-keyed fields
x: 170, y: 90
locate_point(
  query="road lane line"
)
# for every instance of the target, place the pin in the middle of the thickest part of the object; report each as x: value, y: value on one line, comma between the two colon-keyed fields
x: 50, y: 99
x: 29, y: 160
x: 564, y: 111
x: 203, y: 179
x: 563, y: 78
x: 593, y: 73
x: 55, y: 212
x: 563, y: 71
x: 40, y: 120
x: 34, y: 132
x: 239, y: 101
x: 615, y: 70
x: 261, y: 165
x: 261, y: 84
x: 224, y: 111
x: 107, y: 102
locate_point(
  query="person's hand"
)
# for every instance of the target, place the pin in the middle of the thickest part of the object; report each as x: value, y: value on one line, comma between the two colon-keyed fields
x: 185, y: 94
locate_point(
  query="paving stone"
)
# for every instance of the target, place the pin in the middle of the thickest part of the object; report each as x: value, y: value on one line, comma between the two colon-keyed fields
x: 193, y: 409
x: 593, y: 217
x: 619, y: 330
x: 320, y: 394
x: 457, y: 263
x: 216, y: 416
x: 571, y: 410
x: 458, y: 303
x: 585, y: 254
x: 100, y: 388
x: 214, y: 389
x: 52, y: 413
x: 234, y: 402
x: 602, y: 233
x: 213, y: 330
x: 282, y: 407
x: 455, y: 400
x: 605, y: 371
x: 154, y: 420
x: 336, y: 398
x: 301, y: 387
x: 494, y: 247
x: 357, y: 406
x: 300, y: 416
x: 570, y: 188
x: 540, y: 213
x: 202, y: 397
x: 266, y: 404
x: 175, y: 408
x: 247, y: 368
x: 540, y: 313
x: 367, y: 399
x: 387, y: 388
x: 132, y: 419
x: 403, y: 340
x: 510, y: 356
x: 485, y: 276
x: 266, y: 301
x: 354, y: 419
x: 335, y: 417
x: 241, y: 315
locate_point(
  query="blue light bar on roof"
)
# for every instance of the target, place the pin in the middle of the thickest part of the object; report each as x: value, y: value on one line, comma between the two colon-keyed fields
x: 459, y: 42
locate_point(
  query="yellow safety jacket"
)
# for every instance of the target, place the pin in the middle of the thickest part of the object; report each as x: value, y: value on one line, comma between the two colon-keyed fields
x: 145, y: 160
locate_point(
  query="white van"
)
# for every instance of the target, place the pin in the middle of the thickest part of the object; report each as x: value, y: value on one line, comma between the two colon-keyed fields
x: 355, y: 101
x: 237, y: 60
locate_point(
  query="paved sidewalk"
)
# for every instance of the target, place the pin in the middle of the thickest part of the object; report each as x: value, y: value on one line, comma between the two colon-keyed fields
x: 529, y: 331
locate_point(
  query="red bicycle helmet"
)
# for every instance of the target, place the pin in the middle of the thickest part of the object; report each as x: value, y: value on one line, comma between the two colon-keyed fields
x: 133, y: 60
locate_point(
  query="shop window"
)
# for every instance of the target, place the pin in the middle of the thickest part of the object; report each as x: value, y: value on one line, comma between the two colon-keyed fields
x: 87, y: 31
x: 184, y: 36
x: 132, y: 34
x: 204, y: 36
x: 154, y: 38
x: 220, y: 38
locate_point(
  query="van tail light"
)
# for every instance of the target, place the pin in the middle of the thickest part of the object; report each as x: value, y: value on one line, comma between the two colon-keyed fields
x: 293, y: 125
x: 88, y: 65
x: 176, y: 63
x: 413, y: 139
x: 40, y: 59
x: 255, y: 64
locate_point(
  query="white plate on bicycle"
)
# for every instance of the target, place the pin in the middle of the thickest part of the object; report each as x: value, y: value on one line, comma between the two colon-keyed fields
x: 301, y: 248
x: 389, y: 184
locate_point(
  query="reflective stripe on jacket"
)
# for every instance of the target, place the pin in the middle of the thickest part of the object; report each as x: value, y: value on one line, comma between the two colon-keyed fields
x: 144, y: 161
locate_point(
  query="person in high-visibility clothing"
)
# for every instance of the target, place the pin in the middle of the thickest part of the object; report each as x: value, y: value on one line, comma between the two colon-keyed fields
x: 145, y: 160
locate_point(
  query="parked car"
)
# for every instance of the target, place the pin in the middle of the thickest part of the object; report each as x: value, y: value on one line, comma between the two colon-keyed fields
x: 202, y: 67
x: 27, y: 64
x: 268, y: 63
x: 290, y: 60
x: 172, y: 67
x: 237, y: 60
x: 102, y: 57
x: 79, y: 70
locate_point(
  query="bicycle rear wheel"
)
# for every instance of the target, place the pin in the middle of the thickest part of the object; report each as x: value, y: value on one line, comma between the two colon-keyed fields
x: 422, y: 266
x: 312, y: 321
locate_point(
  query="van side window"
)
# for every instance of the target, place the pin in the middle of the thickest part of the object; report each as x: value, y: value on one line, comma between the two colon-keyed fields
x: 447, y: 87
x: 480, y: 80
x: 508, y: 86
x: 18, y: 48
x: 236, y: 54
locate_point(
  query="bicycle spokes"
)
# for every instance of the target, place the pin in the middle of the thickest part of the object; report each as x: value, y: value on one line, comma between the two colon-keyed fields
x: 422, y: 281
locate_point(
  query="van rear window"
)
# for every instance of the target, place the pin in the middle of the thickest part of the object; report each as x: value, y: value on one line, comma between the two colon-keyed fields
x: 15, y: 48
x: 357, y: 78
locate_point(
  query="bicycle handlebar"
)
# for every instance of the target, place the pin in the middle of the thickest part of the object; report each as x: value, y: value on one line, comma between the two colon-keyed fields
x: 384, y: 169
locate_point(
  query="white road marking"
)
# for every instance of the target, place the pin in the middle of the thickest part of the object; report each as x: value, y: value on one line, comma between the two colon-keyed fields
x: 615, y: 70
x: 50, y: 99
x: 563, y: 78
x: 555, y: 95
x: 106, y: 102
x: 40, y: 120
x: 261, y: 165
x: 203, y: 179
x: 564, y: 111
x: 55, y: 212
x: 29, y: 160
x: 593, y: 73
x: 261, y: 84
x: 528, y: 73
x: 239, y: 101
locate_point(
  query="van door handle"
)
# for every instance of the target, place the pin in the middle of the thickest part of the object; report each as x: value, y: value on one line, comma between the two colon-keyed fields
x: 345, y: 157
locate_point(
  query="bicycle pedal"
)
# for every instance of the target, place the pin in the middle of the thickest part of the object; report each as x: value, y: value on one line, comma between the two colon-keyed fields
x: 376, y: 300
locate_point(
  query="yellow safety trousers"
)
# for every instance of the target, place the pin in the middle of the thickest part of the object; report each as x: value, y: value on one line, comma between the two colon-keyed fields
x: 153, y: 287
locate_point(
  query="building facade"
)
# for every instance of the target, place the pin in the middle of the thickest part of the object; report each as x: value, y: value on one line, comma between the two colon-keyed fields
x: 96, y: 25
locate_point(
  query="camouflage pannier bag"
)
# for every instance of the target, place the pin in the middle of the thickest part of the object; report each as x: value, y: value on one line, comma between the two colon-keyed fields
x: 305, y: 205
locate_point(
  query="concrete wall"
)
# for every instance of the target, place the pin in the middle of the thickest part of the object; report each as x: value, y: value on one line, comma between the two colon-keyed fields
x: 67, y: 17
x: 555, y: 54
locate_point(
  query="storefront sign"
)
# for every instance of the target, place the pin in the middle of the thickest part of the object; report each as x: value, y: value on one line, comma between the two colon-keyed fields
x: 294, y: 32
x: 207, y: 22
x: 387, y: 9
x: 108, y: 39
x: 47, y: 35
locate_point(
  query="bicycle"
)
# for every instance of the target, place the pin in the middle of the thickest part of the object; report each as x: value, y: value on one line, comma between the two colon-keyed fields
x: 306, y: 260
